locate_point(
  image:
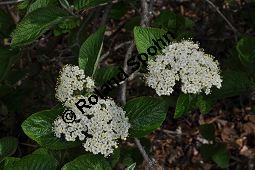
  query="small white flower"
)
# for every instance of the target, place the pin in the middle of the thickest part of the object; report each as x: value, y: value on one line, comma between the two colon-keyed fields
x: 70, y: 130
x: 71, y: 82
x: 100, y: 127
x: 183, y: 62
x: 90, y: 83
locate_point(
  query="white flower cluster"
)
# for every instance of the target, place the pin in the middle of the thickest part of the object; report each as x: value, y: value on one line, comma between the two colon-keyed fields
x: 183, y: 62
x: 99, y: 126
x: 72, y: 80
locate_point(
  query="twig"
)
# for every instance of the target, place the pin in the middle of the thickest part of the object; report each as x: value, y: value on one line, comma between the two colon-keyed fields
x: 69, y: 10
x: 151, y: 8
x: 223, y: 16
x: 123, y: 86
x: 145, y: 21
x: 134, y: 7
x: 123, y: 89
x: 173, y: 132
x: 114, y: 49
x: 145, y: 13
x: 15, y: 17
x: 145, y: 156
x: 10, y: 2
x: 30, y: 145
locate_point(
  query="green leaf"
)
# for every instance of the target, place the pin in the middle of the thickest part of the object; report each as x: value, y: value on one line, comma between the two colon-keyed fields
x: 102, y: 75
x: 145, y: 114
x: 31, y: 162
x: 114, y: 157
x: 131, y: 167
x: 8, y: 146
x: 66, y: 25
x: 7, y: 58
x: 207, y: 150
x: 171, y: 100
x: 88, y: 162
x: 173, y: 22
x: 221, y: 156
x: 207, y: 131
x: 182, y: 105
x: 204, y: 104
x: 127, y: 160
x: 234, y: 83
x: 84, y: 4
x: 90, y: 52
x: 216, y: 152
x: 246, y: 50
x: 40, y: 4
x: 129, y: 155
x: 9, y: 162
x: 41, y: 151
x: 59, y: 155
x: 22, y: 6
x: 39, y: 128
x: 35, y: 24
x: 144, y: 36
x: 69, y: 23
x: 168, y: 20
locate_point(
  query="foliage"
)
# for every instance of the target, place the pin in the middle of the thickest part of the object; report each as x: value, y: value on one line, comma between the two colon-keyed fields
x: 65, y: 21
x: 35, y: 24
x: 8, y: 146
x: 144, y: 36
x: 215, y: 151
x: 32, y: 161
x: 90, y: 52
x: 39, y: 128
x: 89, y: 161
x: 145, y: 115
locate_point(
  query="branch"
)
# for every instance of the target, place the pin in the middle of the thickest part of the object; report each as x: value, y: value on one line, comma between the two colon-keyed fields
x: 145, y: 13
x: 223, y: 16
x: 114, y: 49
x: 123, y: 87
x: 151, y: 6
x: 145, y: 156
x: 15, y: 17
x: 145, y: 21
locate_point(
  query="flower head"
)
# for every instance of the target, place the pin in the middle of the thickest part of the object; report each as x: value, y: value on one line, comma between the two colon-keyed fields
x: 71, y: 82
x: 99, y: 127
x: 183, y: 62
